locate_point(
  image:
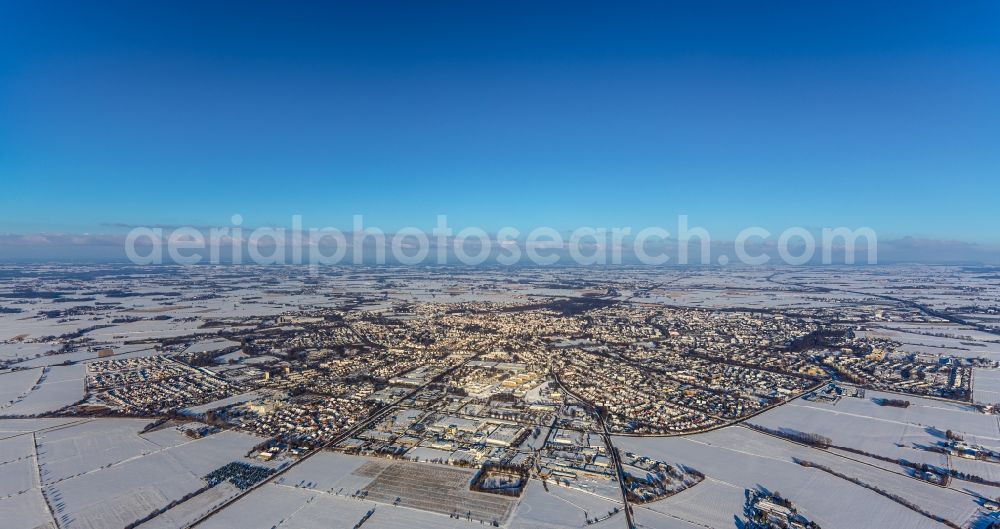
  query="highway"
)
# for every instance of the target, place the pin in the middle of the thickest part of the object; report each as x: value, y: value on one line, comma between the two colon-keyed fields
x: 609, y: 446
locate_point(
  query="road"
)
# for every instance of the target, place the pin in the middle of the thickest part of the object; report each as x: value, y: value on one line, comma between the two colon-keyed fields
x: 619, y: 471
x: 612, y: 451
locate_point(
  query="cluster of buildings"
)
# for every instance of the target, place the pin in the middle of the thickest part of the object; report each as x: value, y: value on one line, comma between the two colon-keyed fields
x: 304, y: 420
x: 525, y: 388
x: 960, y: 448
x: 885, y: 365
x: 771, y: 511
x: 152, y: 385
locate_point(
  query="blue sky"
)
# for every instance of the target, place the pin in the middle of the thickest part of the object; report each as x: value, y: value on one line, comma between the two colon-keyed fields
x: 555, y: 113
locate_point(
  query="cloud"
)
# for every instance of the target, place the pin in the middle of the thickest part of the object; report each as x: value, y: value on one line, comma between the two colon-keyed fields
x: 60, y: 239
x: 913, y: 243
x: 69, y: 246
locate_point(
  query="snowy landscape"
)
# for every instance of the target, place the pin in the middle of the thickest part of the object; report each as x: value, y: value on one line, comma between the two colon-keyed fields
x: 673, y: 398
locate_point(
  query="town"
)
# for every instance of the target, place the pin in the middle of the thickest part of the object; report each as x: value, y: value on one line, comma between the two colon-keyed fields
x: 471, y: 393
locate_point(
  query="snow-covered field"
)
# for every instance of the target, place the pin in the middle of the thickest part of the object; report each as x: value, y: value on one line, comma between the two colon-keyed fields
x: 736, y: 459
x: 60, y: 386
x: 11, y: 351
x: 561, y: 507
x: 16, y: 385
x: 863, y: 424
x: 287, y: 507
x: 99, y: 473
x: 939, y: 339
x: 986, y: 386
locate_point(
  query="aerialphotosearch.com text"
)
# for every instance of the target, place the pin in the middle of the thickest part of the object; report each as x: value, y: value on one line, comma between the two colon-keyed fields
x: 443, y: 245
